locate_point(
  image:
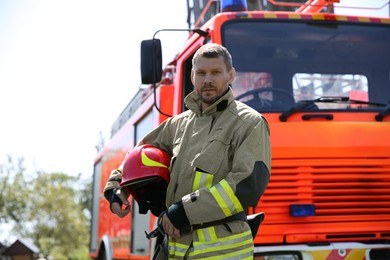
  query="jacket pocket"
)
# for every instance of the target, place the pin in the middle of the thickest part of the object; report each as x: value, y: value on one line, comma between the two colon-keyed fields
x: 206, y: 166
x: 207, y: 163
x: 219, y: 151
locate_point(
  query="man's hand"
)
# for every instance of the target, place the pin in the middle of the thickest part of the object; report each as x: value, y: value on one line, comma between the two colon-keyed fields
x: 169, y: 228
x: 116, y: 207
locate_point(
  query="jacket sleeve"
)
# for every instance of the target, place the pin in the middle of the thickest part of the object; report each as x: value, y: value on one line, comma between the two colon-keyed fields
x: 243, y: 185
x: 158, y: 137
x: 112, y: 184
x: 161, y: 136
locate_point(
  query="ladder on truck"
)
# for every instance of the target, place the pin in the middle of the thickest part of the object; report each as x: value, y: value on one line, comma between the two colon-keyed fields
x: 203, y: 10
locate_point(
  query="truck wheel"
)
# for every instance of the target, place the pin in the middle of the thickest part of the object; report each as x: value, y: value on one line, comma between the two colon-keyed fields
x: 102, y: 254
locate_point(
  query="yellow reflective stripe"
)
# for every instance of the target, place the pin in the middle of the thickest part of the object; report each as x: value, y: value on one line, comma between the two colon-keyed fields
x: 149, y: 162
x: 227, y: 201
x: 177, y: 249
x: 239, y: 236
x: 229, y: 191
x: 247, y: 251
x: 220, y: 201
x: 209, y: 181
x: 196, y: 184
x: 213, y: 235
x: 176, y: 253
x: 202, y: 180
x: 206, y: 234
x: 230, y: 242
x: 201, y: 236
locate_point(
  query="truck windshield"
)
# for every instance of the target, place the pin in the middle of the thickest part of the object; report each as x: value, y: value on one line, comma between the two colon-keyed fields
x: 280, y: 63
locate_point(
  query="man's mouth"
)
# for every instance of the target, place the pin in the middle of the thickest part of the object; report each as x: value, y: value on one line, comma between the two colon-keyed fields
x: 207, y: 89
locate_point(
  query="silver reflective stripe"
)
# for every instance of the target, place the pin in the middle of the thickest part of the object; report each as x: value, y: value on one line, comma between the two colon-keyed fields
x: 244, y: 254
x: 206, y: 234
x: 177, y: 249
x: 202, y: 180
x: 226, y: 199
x: 241, y: 243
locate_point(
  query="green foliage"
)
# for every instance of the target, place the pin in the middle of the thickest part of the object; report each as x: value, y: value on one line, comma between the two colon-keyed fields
x: 50, y: 208
x: 13, y: 196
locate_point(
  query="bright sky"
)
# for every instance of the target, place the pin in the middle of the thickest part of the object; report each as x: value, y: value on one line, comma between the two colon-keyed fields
x: 67, y: 70
x: 69, y: 67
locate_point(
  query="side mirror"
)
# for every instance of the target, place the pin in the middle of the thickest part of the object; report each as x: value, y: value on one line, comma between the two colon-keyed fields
x: 151, y: 61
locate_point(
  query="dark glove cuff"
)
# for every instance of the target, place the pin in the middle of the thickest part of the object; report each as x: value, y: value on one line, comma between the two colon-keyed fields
x: 108, y: 194
x: 177, y: 215
x: 111, y: 196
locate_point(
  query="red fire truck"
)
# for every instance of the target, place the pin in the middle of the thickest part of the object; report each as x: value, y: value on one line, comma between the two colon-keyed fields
x: 329, y: 115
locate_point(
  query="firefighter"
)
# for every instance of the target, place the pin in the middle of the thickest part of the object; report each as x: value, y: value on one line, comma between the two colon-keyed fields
x: 220, y: 165
x: 265, y: 81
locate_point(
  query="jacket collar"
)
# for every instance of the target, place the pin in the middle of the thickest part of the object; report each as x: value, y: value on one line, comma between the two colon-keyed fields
x: 192, y: 102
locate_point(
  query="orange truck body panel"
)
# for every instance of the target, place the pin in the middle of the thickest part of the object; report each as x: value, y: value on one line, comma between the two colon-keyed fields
x: 339, y: 166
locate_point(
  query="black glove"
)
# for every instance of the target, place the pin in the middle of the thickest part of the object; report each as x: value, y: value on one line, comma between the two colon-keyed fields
x: 111, y: 197
x: 178, y: 217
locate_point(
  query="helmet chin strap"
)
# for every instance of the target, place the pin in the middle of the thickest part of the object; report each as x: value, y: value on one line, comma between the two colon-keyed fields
x: 159, y: 230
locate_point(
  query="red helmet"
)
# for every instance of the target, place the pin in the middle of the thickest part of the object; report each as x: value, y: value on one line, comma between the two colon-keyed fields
x: 145, y: 175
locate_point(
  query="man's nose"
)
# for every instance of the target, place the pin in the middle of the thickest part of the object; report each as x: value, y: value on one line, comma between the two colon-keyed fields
x: 208, y: 78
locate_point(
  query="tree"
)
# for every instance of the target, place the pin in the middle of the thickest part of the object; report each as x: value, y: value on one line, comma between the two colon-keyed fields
x: 52, y: 209
x: 13, y: 196
x: 54, y: 218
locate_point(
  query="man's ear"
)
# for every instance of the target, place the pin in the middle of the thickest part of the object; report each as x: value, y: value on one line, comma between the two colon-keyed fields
x: 192, y: 77
x: 232, y: 75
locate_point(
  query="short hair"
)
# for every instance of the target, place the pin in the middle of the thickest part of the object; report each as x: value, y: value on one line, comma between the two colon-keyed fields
x: 214, y: 50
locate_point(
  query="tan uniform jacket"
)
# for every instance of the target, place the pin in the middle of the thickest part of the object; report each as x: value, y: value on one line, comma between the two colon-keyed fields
x: 220, y: 166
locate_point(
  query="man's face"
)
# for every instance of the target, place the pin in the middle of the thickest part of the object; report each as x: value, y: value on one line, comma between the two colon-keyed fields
x: 211, y: 79
x: 264, y: 81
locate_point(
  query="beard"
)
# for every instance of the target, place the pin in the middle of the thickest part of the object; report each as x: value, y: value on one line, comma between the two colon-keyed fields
x: 207, y: 97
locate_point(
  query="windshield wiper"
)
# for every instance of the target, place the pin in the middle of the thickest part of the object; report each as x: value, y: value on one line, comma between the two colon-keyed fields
x: 302, y: 105
x: 353, y: 101
x: 383, y: 113
x: 297, y: 108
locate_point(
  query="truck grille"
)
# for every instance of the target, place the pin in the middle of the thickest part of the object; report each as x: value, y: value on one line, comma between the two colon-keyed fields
x: 351, y: 189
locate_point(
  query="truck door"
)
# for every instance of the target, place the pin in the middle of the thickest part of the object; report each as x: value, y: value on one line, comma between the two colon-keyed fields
x: 141, y: 222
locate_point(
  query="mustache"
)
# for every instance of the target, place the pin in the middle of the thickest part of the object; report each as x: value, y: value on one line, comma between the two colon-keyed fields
x: 208, y: 86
